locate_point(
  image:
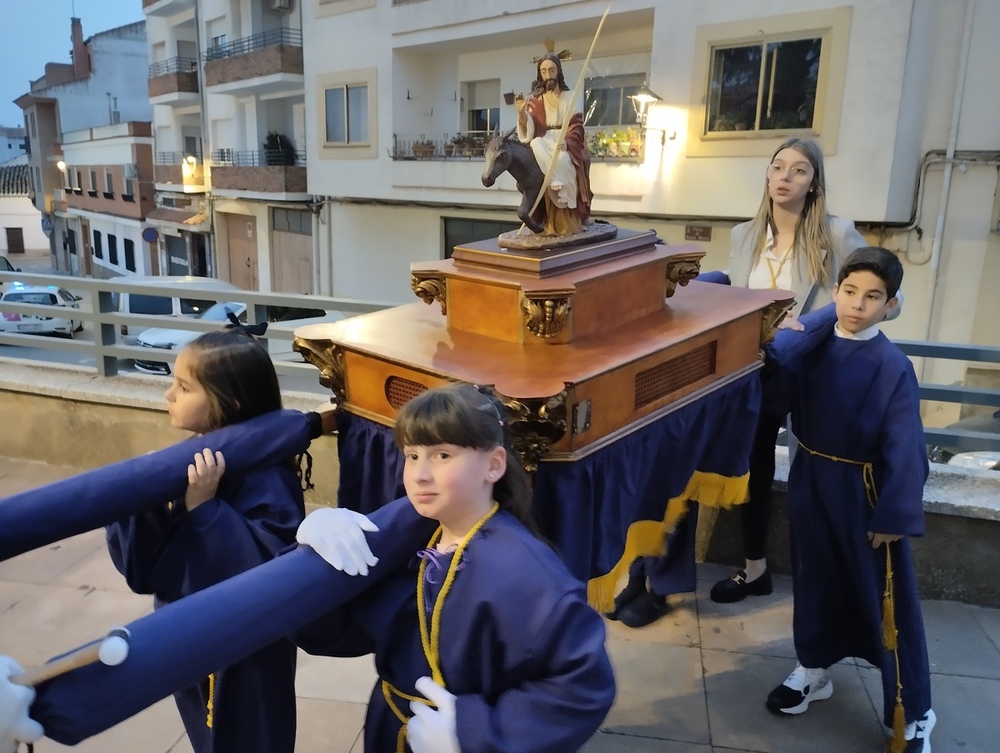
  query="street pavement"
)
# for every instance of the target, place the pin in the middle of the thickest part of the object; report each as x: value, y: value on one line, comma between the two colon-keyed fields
x: 694, y: 682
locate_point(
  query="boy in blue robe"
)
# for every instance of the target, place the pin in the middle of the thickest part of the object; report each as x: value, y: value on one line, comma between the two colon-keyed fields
x: 855, y: 492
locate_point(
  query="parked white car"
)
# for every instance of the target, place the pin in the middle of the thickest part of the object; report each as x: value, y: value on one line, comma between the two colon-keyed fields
x: 43, y: 295
x: 278, y: 317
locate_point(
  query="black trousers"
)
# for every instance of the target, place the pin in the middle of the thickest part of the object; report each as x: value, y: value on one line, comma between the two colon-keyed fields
x: 756, y: 512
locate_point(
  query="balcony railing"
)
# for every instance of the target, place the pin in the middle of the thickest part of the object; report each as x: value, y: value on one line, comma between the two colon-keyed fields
x: 173, y: 158
x: 467, y: 145
x: 258, y: 158
x: 605, y: 144
x: 289, y: 37
x: 173, y: 65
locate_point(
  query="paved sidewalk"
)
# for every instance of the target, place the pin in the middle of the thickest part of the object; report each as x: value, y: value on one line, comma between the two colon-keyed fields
x: 693, y: 683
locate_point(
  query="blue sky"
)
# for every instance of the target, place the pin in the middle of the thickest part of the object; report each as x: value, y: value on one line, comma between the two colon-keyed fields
x: 36, y: 32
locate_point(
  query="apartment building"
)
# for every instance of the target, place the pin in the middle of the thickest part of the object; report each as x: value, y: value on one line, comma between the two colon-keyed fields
x: 899, y: 93
x: 12, y: 143
x: 99, y: 96
x: 227, y: 87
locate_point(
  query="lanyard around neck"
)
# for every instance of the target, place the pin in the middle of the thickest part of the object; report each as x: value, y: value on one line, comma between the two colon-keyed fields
x: 430, y: 639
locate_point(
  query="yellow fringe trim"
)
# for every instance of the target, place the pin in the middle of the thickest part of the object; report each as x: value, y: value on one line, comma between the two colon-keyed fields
x: 647, y: 538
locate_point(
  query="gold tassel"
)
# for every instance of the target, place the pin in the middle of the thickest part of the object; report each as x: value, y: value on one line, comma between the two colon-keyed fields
x: 898, y: 743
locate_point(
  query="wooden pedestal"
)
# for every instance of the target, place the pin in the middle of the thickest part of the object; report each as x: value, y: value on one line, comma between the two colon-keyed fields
x: 567, y: 398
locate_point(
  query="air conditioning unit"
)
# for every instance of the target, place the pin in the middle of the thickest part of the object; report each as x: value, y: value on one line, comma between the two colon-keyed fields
x: 131, y: 172
x: 282, y: 6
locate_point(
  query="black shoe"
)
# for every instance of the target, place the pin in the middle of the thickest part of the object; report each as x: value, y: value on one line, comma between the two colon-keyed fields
x: 735, y: 587
x: 643, y: 610
x: 635, y: 587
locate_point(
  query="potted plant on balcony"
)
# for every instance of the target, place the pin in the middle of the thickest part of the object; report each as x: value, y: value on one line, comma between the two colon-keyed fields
x: 278, y: 149
x: 423, y: 148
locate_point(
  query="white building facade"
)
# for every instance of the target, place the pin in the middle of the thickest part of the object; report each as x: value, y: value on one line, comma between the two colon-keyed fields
x: 899, y: 94
x: 226, y: 82
x: 103, y: 86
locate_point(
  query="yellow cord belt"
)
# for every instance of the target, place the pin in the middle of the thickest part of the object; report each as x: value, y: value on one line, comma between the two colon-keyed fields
x: 430, y: 639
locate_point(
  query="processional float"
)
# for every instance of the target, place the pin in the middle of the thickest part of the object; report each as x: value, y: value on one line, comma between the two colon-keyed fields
x: 630, y: 388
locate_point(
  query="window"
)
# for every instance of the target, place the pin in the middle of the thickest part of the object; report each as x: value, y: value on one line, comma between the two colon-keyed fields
x: 757, y: 81
x: 93, y: 183
x: 78, y: 188
x: 348, y: 117
x: 607, y: 100
x: 459, y: 231
x: 484, y: 105
x: 98, y: 245
x: 32, y: 125
x: 113, y: 249
x: 129, y: 254
x: 68, y: 179
x: 128, y: 189
x: 764, y: 87
x: 292, y: 221
x: 109, y: 185
x: 347, y: 114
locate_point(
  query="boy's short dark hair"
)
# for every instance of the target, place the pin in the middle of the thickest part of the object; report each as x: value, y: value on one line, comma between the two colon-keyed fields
x: 877, y: 260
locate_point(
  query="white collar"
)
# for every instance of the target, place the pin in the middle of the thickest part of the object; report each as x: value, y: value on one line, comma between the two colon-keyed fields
x: 865, y: 334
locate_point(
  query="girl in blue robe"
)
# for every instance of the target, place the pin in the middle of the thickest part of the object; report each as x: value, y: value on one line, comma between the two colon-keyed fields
x: 223, y: 525
x: 855, y: 493
x: 487, y: 624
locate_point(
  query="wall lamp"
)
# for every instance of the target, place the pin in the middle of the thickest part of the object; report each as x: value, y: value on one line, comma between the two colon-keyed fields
x: 642, y: 102
x: 61, y: 166
x: 191, y: 159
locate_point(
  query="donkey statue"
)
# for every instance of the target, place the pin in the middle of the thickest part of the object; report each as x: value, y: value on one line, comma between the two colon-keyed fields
x: 506, y: 154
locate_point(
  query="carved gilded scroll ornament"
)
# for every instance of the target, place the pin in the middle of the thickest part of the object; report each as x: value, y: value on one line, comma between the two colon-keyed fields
x: 326, y: 356
x: 535, y: 425
x: 545, y: 317
x: 680, y: 271
x: 429, y: 288
x: 771, y: 316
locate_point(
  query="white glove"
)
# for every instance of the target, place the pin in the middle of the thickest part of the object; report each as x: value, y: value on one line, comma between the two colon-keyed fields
x: 430, y: 730
x: 15, y: 724
x: 337, y: 535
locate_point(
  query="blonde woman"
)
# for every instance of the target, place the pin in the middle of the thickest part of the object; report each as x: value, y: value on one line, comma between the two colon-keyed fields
x: 792, y: 243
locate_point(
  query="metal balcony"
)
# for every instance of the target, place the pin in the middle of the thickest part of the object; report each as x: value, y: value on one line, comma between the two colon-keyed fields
x: 266, y: 63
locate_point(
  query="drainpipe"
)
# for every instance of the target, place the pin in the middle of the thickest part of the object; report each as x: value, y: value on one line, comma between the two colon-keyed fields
x: 206, y: 149
x: 956, y: 114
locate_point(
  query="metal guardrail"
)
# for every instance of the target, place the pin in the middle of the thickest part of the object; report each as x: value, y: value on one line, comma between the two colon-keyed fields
x: 108, y: 345
x: 173, y: 65
x: 291, y: 37
x: 173, y: 158
x: 961, y: 439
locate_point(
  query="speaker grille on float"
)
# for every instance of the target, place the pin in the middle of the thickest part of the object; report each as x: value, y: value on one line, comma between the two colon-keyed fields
x: 399, y: 391
x: 677, y: 373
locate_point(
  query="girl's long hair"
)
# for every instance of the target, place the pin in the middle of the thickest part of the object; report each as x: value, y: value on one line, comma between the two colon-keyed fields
x: 468, y: 416
x: 812, y: 230
x: 237, y: 374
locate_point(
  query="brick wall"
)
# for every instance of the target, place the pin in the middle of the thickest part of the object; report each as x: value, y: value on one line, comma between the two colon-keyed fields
x: 269, y: 179
x: 172, y: 83
x: 278, y: 58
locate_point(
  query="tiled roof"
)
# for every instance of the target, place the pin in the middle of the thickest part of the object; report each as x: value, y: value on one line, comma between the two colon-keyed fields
x: 14, y: 180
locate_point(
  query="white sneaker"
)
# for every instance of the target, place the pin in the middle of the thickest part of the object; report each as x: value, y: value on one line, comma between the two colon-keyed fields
x: 918, y: 734
x: 803, y: 686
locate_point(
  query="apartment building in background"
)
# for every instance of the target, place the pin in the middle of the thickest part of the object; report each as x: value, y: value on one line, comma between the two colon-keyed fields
x: 227, y: 87
x: 899, y: 94
x: 91, y: 174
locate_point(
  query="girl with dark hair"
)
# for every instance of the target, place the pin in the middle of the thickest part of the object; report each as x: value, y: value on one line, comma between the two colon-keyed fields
x: 486, y: 641
x: 222, y: 526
